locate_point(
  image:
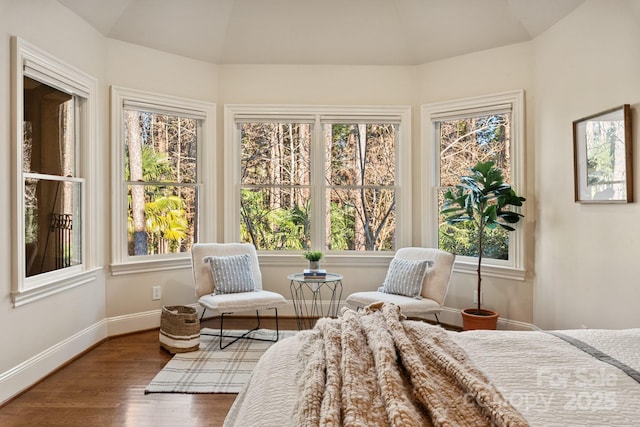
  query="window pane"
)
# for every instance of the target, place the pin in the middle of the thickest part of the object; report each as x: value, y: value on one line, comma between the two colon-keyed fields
x: 275, y: 153
x: 361, y: 154
x: 276, y: 218
x: 52, y: 225
x: 356, y: 179
x: 361, y: 169
x: 160, y: 148
x: 464, y: 143
x: 162, y: 219
x: 48, y: 127
x: 361, y: 219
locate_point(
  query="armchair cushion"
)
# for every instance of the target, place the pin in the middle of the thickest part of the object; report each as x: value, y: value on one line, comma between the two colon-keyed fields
x: 433, y: 289
x: 405, y: 277
x: 411, y: 307
x: 231, y: 273
x: 241, y: 301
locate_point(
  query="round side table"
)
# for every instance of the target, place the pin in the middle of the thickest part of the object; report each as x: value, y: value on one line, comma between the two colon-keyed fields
x: 315, y: 297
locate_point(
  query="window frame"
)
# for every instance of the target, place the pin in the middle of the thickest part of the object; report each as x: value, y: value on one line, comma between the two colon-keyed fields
x: 122, y: 263
x: 30, y: 61
x: 319, y: 114
x: 514, y: 268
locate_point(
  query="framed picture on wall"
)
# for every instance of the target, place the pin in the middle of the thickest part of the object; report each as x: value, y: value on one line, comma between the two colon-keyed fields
x: 603, y: 166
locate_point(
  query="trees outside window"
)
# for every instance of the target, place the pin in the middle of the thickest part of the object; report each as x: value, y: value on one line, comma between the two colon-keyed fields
x: 160, y: 172
x: 322, y: 181
x: 275, y: 192
x: 463, y: 143
x: 361, y: 176
x: 158, y: 150
x: 459, y: 134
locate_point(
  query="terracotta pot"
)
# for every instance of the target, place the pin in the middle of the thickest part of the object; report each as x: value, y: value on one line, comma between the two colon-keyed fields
x: 487, y: 319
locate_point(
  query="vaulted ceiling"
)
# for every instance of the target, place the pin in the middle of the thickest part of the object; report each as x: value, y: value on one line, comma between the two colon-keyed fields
x: 349, y: 32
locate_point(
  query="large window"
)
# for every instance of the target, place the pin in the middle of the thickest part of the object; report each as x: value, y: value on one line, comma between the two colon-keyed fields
x: 462, y: 134
x: 53, y: 132
x: 159, y: 142
x: 52, y: 188
x: 319, y: 179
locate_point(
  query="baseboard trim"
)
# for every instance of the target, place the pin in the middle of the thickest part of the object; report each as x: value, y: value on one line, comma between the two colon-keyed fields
x: 128, y: 323
x: 31, y: 371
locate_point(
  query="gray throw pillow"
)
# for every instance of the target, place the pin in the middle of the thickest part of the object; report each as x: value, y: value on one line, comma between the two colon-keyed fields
x: 405, y: 277
x: 231, y: 274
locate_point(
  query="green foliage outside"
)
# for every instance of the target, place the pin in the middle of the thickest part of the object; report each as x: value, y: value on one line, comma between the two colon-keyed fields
x: 166, y: 219
x: 463, y: 239
x: 273, y: 228
x: 359, y: 180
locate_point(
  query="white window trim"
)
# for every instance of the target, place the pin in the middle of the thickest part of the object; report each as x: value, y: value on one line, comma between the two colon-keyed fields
x: 122, y: 263
x: 514, y: 268
x: 403, y: 168
x: 33, y: 62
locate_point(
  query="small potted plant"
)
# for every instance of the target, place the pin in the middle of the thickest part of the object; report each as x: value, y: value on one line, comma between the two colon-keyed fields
x: 314, y: 258
x: 484, y: 199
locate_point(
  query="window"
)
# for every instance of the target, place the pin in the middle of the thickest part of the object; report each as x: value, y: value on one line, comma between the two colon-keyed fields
x: 463, y: 133
x: 52, y: 189
x: 158, y: 144
x: 326, y: 178
x: 53, y: 132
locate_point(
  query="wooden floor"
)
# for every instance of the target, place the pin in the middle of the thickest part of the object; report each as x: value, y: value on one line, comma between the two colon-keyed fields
x: 105, y: 387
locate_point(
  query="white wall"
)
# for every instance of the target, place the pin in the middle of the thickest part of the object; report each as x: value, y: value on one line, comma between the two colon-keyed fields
x: 585, y: 254
x: 40, y: 336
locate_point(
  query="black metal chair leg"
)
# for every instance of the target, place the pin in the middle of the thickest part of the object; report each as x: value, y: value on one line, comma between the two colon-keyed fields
x: 245, y: 335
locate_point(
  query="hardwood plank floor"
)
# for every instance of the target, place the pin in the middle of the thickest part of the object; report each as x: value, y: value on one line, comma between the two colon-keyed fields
x: 105, y: 387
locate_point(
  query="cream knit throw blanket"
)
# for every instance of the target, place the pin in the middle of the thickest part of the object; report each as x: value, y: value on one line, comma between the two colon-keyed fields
x: 375, y: 368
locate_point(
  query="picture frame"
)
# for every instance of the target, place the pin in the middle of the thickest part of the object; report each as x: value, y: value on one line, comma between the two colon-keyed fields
x: 602, y: 157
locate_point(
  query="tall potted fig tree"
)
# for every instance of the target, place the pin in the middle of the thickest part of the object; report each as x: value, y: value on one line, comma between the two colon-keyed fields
x: 486, y: 201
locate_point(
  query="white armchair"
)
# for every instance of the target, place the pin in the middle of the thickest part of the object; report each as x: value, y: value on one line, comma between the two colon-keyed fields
x: 227, y: 280
x: 417, y: 292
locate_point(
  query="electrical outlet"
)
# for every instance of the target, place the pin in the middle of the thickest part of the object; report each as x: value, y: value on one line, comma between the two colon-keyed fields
x: 475, y: 297
x: 157, y: 293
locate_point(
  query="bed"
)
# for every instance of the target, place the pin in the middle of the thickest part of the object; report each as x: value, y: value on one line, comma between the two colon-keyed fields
x: 373, y: 367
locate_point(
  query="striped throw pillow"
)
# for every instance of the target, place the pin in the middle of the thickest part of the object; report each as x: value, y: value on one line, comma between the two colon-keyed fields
x: 405, y: 277
x: 231, y: 274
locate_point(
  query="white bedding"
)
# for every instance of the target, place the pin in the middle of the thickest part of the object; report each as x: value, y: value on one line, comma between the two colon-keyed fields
x: 551, y: 382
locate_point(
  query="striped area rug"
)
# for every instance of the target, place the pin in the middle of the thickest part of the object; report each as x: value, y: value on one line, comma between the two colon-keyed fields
x: 211, y: 370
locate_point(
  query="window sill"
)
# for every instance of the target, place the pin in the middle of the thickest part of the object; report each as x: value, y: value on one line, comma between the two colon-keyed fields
x: 27, y: 296
x: 502, y: 272
x: 148, y: 266
x: 343, y: 260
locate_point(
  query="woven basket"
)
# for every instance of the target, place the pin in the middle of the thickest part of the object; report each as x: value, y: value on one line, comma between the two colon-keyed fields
x: 179, y: 329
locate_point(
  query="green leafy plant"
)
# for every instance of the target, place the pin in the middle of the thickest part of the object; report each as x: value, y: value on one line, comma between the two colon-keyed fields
x: 313, y: 255
x: 484, y: 200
